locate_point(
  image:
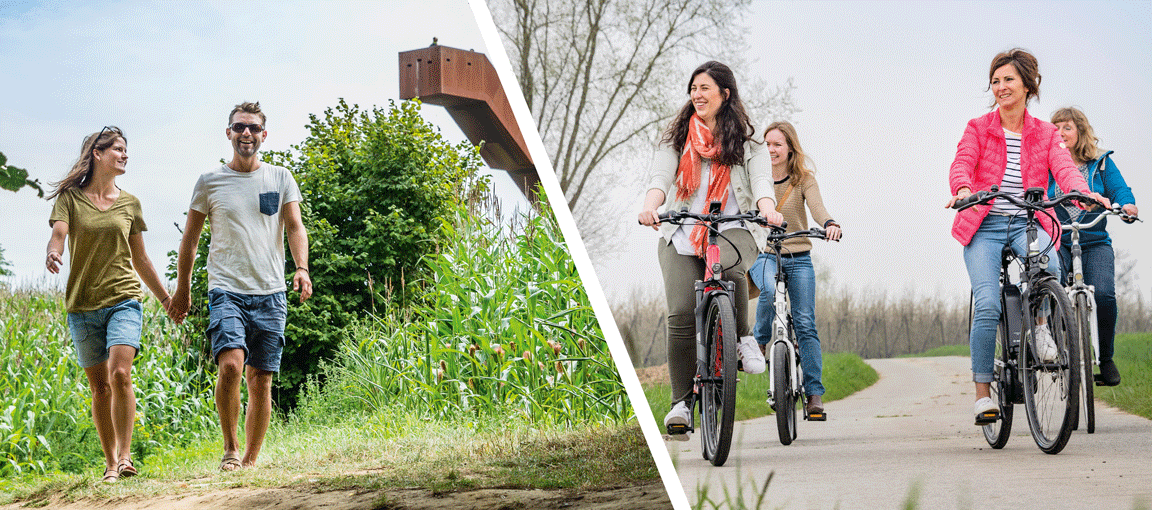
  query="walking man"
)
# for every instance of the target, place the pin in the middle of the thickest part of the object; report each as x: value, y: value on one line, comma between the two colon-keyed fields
x: 249, y: 204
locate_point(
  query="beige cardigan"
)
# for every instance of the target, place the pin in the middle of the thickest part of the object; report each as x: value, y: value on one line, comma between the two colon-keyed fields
x: 751, y: 181
x: 793, y: 211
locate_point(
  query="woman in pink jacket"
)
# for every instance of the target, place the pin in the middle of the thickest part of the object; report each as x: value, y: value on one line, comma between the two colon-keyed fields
x: 1015, y: 151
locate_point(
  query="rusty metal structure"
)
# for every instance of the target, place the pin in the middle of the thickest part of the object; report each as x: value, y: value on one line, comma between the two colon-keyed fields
x: 465, y: 83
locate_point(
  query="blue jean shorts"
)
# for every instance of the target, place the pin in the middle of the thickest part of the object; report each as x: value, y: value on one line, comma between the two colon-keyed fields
x: 253, y: 323
x: 95, y: 331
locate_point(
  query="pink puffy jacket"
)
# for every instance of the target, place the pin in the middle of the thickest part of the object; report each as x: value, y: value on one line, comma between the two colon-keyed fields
x: 982, y: 155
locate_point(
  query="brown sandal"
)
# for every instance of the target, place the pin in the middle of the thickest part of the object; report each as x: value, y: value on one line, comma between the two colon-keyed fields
x: 110, y: 476
x: 230, y: 463
x: 126, y: 469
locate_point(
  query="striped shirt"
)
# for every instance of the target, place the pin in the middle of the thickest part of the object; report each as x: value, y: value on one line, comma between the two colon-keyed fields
x: 1013, y: 182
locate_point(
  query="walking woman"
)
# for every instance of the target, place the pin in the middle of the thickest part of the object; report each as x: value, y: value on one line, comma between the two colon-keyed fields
x: 707, y: 154
x: 1015, y: 151
x: 1096, y: 246
x: 103, y: 226
x: 795, y: 185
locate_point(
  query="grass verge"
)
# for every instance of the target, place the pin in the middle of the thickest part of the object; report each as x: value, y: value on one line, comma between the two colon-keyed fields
x: 379, y: 452
x: 1133, y: 358
x: 844, y: 374
x: 944, y: 350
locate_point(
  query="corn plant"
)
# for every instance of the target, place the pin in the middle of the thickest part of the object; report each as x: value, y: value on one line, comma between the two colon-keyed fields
x: 45, y: 417
x: 504, y: 331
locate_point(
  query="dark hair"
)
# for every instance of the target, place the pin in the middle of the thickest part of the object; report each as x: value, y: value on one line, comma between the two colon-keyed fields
x: 81, y: 173
x: 732, y: 125
x: 1025, y: 65
x: 246, y: 107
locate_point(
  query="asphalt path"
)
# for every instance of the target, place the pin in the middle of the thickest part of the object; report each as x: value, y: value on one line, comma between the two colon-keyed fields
x: 910, y: 438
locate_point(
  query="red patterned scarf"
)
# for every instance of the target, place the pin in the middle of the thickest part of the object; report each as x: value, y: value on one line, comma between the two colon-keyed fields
x: 701, y: 144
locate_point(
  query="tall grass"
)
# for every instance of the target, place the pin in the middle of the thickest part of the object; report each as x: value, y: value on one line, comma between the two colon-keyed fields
x: 505, y: 332
x: 45, y: 418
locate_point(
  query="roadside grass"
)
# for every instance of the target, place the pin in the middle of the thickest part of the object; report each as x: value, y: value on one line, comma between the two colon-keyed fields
x: 378, y: 452
x: 1133, y: 357
x: 944, y: 350
x: 844, y: 373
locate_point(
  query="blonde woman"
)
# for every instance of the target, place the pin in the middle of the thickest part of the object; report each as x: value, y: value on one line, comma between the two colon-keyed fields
x: 1096, y: 246
x: 795, y: 186
x: 102, y: 225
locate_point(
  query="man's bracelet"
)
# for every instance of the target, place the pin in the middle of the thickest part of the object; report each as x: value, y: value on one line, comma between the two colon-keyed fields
x: 305, y: 270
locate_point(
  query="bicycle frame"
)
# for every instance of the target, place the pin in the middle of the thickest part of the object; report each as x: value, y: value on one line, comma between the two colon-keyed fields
x: 780, y: 334
x: 1078, y: 287
x: 709, y: 288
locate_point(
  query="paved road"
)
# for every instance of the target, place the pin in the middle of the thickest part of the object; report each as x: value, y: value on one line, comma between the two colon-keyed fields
x: 910, y: 436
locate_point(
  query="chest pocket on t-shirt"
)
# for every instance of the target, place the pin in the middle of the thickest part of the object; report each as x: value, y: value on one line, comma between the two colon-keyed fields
x: 270, y: 202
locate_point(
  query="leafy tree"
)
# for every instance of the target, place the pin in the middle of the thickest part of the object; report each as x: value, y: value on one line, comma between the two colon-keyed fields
x: 12, y: 178
x: 379, y: 189
x: 604, y: 77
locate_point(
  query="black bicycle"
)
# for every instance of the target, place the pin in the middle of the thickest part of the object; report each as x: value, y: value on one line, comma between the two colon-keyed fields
x: 787, y: 377
x: 1048, y: 388
x: 714, y: 386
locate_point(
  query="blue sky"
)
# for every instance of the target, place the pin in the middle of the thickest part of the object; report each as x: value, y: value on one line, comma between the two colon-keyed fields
x: 168, y: 73
x: 885, y: 90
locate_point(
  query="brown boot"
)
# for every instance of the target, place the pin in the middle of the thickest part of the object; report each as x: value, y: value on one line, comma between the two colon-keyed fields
x: 815, y: 405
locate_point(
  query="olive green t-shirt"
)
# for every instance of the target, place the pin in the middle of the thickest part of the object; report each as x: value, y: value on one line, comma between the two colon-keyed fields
x: 100, y: 260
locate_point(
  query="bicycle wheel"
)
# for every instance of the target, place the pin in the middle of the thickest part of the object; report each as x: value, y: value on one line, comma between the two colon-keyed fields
x: 718, y: 391
x: 1051, y: 392
x: 782, y: 393
x: 1084, y: 327
x: 1003, y: 377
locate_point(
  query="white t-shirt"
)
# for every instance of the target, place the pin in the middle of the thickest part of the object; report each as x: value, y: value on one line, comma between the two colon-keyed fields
x: 244, y: 209
x: 681, y: 237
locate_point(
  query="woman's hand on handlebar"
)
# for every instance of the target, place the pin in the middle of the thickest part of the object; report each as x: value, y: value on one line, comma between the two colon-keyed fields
x: 1097, y: 197
x: 649, y: 218
x: 832, y: 233
x: 961, y: 194
x: 772, y: 217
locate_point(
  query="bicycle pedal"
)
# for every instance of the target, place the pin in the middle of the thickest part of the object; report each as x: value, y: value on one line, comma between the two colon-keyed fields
x: 677, y: 429
x: 987, y: 417
x: 816, y: 417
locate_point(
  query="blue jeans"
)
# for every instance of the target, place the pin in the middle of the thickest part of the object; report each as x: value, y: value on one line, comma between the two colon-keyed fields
x: 253, y: 323
x: 1100, y: 272
x: 802, y: 296
x: 95, y: 331
x: 982, y: 256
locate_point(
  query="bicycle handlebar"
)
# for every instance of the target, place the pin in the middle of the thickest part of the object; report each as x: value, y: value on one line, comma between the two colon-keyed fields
x: 777, y: 234
x: 678, y: 217
x: 1116, y: 210
x: 983, y: 197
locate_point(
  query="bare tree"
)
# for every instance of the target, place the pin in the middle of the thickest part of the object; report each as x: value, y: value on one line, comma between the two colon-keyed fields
x: 603, y: 77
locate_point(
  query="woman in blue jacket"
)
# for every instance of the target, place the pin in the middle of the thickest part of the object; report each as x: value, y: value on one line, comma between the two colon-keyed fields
x: 1097, y: 256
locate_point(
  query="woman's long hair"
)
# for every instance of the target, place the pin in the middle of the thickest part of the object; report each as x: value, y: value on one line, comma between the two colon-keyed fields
x: 798, y: 162
x: 1085, y: 149
x: 81, y: 173
x: 733, y: 127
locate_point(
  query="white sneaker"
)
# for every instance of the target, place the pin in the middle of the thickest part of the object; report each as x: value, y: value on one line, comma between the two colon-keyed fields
x: 679, y: 417
x: 987, y: 411
x: 1045, y: 346
x: 750, y: 353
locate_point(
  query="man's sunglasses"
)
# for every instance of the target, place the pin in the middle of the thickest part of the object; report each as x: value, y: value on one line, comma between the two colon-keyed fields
x: 239, y: 127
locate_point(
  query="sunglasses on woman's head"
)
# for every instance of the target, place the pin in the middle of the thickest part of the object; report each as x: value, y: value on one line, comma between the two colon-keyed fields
x: 113, y: 129
x: 239, y: 127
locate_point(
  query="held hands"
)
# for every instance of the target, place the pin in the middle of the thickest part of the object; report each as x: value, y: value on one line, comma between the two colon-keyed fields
x: 302, y: 282
x: 179, y: 304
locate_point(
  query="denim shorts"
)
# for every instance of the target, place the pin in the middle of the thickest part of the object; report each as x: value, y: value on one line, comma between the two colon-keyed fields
x: 95, y: 331
x: 253, y: 323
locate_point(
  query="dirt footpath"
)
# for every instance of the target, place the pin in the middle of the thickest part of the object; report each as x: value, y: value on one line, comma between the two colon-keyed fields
x: 910, y: 438
x: 650, y: 496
